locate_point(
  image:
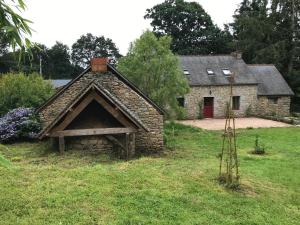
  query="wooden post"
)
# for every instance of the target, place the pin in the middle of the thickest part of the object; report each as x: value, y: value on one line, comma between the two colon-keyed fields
x: 61, y: 141
x: 127, y: 145
x: 132, y: 151
x: 52, y: 142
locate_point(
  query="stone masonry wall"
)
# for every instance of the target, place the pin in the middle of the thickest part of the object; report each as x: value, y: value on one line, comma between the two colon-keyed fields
x: 247, y: 93
x: 265, y: 107
x: 151, y: 141
x: 89, y: 143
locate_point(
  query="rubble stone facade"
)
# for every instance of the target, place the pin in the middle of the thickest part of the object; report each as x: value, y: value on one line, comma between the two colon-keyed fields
x: 146, y: 141
x: 273, y: 106
x: 250, y: 103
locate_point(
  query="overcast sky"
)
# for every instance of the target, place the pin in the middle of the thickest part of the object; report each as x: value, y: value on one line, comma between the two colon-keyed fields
x: 120, y: 20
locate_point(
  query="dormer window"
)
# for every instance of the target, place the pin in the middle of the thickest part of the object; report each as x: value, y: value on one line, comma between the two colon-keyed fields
x: 186, y: 72
x: 226, y: 72
x: 210, y: 72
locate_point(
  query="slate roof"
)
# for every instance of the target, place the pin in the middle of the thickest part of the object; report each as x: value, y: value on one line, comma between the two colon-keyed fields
x: 59, y: 83
x: 197, y: 67
x: 270, y: 81
x: 267, y: 77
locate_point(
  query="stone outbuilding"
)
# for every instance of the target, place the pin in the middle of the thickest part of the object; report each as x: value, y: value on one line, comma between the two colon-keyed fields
x: 102, y: 110
x: 257, y: 89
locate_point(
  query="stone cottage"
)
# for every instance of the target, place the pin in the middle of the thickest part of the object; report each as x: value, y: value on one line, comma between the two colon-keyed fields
x: 257, y: 89
x: 101, y: 110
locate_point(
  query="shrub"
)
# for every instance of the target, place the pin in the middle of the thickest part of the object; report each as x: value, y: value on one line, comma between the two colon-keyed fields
x: 249, y: 111
x: 258, y: 149
x: 19, y: 124
x: 19, y: 90
x: 181, y: 114
x: 200, y: 115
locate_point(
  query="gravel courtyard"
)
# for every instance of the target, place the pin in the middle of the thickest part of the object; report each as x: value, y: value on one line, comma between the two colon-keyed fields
x: 218, y: 124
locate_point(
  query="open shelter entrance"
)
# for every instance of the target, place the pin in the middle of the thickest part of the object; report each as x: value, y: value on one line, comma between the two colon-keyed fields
x: 93, y: 114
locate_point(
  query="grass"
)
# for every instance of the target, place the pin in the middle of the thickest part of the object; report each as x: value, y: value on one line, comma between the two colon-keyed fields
x: 176, y: 187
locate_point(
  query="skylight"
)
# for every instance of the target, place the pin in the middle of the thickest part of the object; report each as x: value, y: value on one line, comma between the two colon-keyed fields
x: 226, y: 72
x: 210, y: 72
x: 186, y: 72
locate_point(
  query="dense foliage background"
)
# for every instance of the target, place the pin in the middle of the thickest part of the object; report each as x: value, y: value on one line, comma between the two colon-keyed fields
x: 191, y: 28
x: 19, y: 90
x: 265, y: 31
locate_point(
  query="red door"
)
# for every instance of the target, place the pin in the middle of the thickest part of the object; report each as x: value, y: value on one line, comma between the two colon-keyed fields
x: 208, y: 109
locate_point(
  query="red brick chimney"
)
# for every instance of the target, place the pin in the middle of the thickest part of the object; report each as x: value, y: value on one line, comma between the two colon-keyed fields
x: 99, y: 64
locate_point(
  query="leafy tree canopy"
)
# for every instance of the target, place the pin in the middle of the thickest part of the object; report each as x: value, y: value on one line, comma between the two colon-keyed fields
x: 190, y: 27
x: 57, y: 62
x: 152, y: 66
x: 15, y: 28
x: 89, y: 46
x: 268, y: 34
x: 252, y: 28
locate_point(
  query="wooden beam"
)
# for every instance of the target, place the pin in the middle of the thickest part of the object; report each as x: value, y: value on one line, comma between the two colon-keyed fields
x: 73, y: 114
x: 115, y: 141
x: 89, y: 132
x: 112, y: 110
x: 82, y: 105
x: 62, y: 114
x: 61, y: 141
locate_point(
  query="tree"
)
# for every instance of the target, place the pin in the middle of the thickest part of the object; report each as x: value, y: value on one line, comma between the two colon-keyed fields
x: 89, y: 46
x: 286, y: 15
x: 58, y: 64
x: 152, y: 66
x: 270, y: 35
x: 252, y: 29
x: 30, y: 60
x: 190, y: 27
x: 13, y: 25
x: 55, y: 62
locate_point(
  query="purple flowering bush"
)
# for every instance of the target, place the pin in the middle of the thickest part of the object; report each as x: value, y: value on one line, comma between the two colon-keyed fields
x: 19, y: 124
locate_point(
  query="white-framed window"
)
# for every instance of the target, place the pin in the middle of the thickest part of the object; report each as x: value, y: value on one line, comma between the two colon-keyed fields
x: 186, y: 72
x: 226, y: 72
x: 210, y: 72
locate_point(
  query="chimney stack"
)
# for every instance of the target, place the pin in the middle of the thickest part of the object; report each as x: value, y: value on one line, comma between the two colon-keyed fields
x: 237, y: 54
x: 99, y: 65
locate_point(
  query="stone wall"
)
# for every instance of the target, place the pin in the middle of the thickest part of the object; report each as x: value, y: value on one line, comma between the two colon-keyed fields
x: 247, y: 93
x: 145, y: 141
x: 89, y: 143
x: 266, y: 107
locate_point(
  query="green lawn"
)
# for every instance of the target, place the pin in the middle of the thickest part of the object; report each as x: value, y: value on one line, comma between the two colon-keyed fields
x: 177, y: 187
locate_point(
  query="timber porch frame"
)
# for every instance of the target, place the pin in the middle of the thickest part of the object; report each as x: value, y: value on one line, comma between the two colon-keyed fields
x: 128, y: 147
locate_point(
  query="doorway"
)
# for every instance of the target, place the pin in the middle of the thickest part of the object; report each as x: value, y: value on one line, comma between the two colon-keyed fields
x: 208, y: 109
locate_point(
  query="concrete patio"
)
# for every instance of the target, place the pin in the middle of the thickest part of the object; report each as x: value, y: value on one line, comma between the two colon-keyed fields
x: 218, y: 124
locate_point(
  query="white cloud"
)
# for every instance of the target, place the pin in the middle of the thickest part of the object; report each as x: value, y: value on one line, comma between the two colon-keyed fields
x: 122, y: 21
